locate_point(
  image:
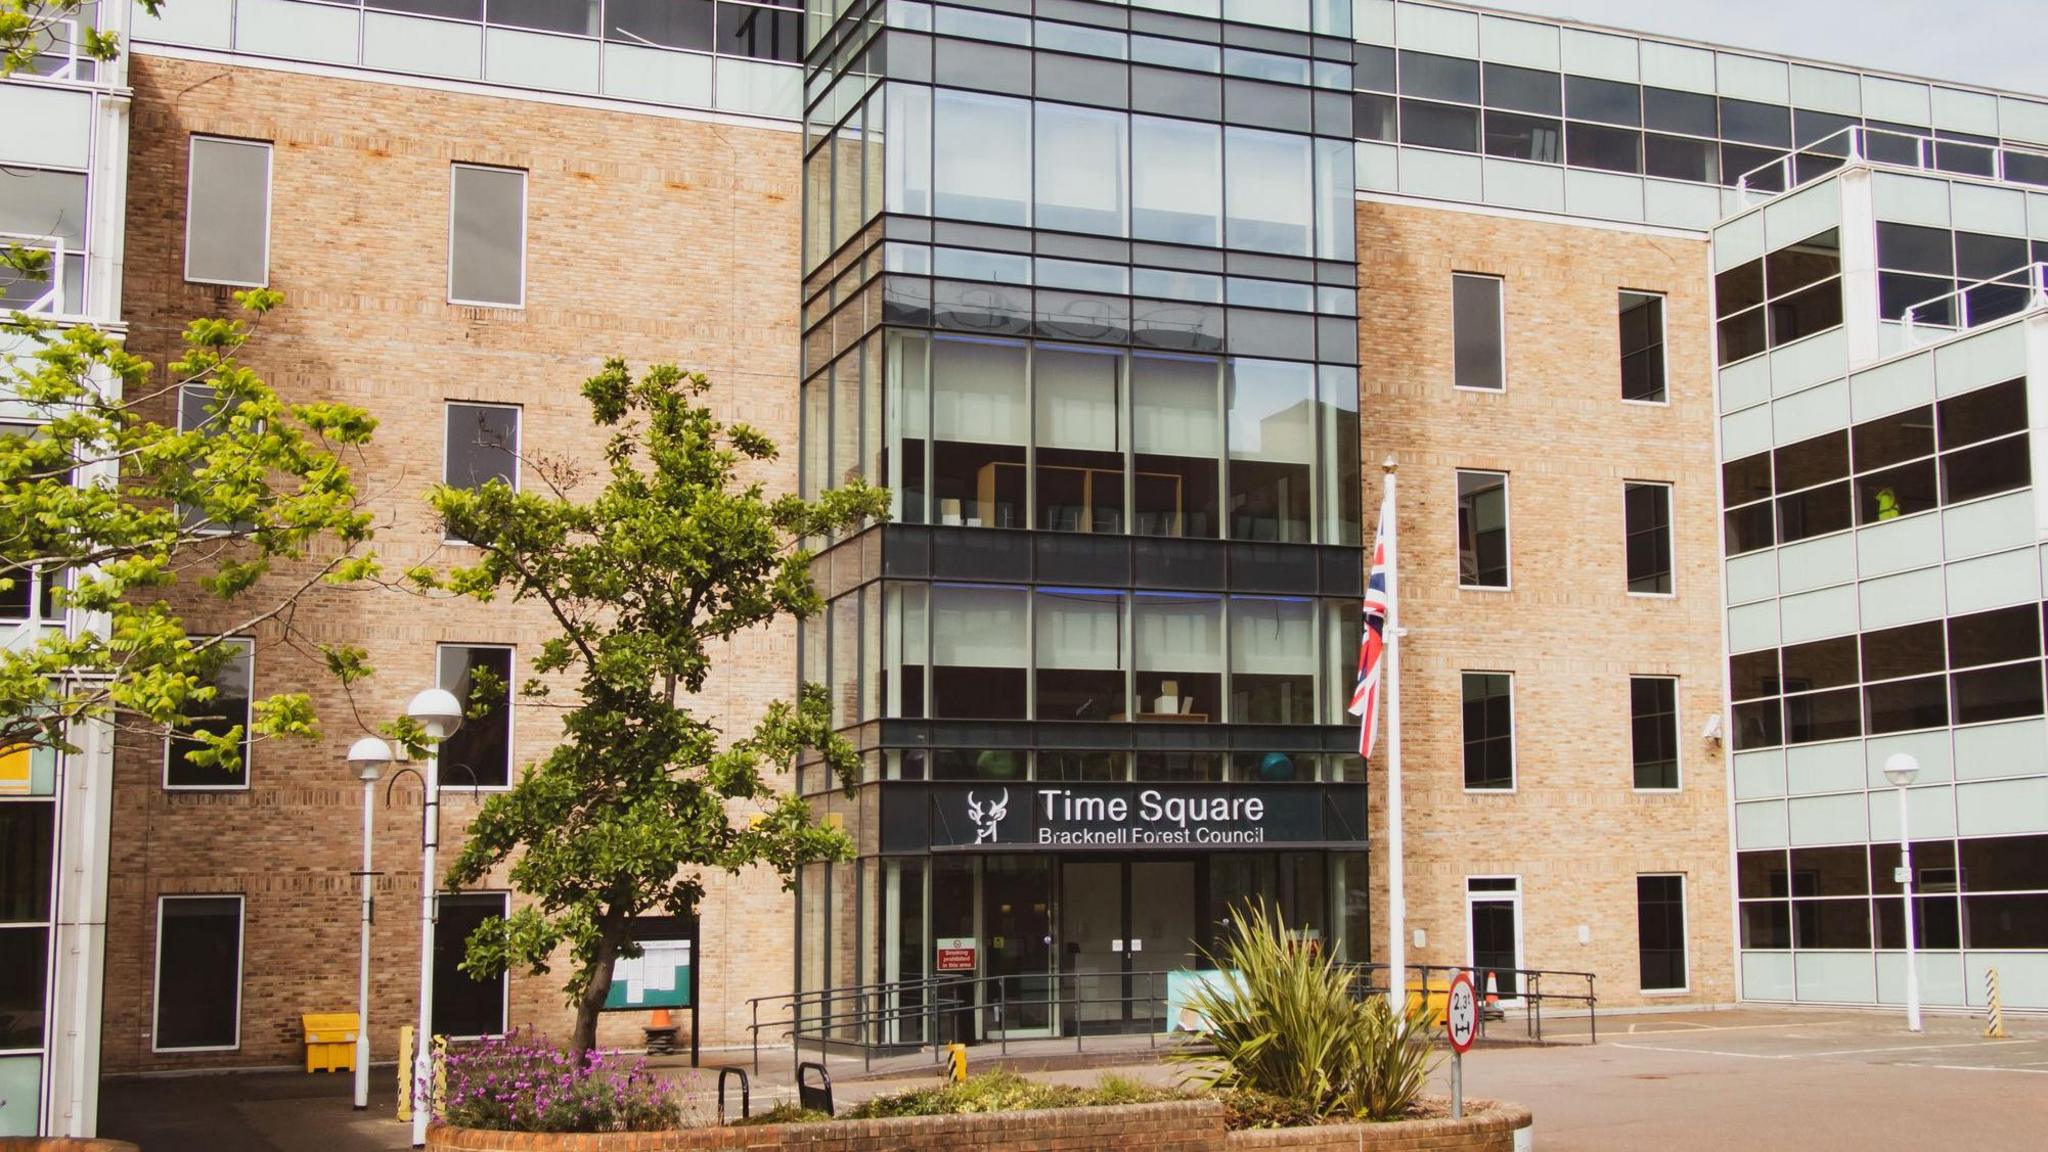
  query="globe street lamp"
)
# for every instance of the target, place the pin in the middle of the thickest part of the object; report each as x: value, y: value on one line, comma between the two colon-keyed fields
x: 438, y: 715
x: 1902, y: 769
x: 369, y: 757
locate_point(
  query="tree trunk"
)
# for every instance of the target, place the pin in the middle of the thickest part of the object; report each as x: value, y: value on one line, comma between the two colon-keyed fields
x: 591, y: 1002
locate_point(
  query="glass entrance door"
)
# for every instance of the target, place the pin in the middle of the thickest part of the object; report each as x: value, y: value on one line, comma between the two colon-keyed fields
x: 1016, y: 920
x: 1493, y: 914
x: 1092, y: 942
x: 1162, y: 936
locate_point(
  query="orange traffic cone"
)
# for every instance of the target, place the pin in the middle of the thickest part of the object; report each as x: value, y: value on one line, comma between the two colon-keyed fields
x: 659, y: 1019
x: 661, y: 1032
x: 1492, y: 991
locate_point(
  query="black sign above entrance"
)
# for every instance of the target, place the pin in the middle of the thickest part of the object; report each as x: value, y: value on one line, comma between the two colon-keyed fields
x: 1014, y: 816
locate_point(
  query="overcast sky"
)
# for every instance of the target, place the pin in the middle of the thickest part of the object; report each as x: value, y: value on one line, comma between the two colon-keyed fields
x: 1995, y: 43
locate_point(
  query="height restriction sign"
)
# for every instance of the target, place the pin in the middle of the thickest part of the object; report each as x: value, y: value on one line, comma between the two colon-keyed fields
x: 1461, y: 1013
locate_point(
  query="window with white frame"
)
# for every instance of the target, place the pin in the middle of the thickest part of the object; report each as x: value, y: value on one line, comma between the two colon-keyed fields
x: 227, y: 212
x: 482, y: 445
x: 1646, y: 511
x: 199, y: 412
x: 1482, y: 529
x: 480, y: 753
x: 487, y: 236
x: 1653, y: 731
x: 233, y: 685
x: 1479, y: 350
x: 466, y: 1006
x: 1660, y: 932
x: 1642, y: 347
x: 1489, y: 723
x: 198, y: 973
x: 33, y: 592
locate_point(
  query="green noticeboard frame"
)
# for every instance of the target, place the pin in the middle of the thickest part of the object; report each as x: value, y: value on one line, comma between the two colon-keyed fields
x: 664, y: 975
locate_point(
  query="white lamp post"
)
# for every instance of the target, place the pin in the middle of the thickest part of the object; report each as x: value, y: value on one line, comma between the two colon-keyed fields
x: 368, y: 757
x: 1902, y: 769
x: 438, y: 714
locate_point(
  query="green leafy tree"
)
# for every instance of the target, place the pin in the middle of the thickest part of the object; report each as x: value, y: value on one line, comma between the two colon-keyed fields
x: 106, y: 505
x: 33, y: 30
x: 642, y: 797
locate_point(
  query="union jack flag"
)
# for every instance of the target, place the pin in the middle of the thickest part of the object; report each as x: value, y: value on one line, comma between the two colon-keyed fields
x: 1372, y: 642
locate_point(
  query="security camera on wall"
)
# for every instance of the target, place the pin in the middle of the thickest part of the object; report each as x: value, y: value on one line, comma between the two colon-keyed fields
x: 1712, y: 731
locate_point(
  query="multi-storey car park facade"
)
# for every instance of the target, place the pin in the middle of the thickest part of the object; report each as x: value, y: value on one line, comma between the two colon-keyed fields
x: 1124, y: 303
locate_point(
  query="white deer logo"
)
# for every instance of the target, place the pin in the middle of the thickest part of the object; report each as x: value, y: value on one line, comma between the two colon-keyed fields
x: 986, y: 821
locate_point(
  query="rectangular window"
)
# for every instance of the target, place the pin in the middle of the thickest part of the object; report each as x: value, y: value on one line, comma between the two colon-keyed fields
x: 198, y: 973
x: 982, y: 150
x: 1271, y: 433
x: 1476, y: 321
x: 1176, y: 181
x: 464, y: 1006
x: 1080, y: 462
x: 228, y: 709
x: 1176, y: 439
x: 227, y: 212
x: 1642, y: 347
x: 1482, y: 529
x: 1489, y: 731
x: 482, y: 445
x: 1660, y: 932
x: 479, y: 755
x: 1646, y: 510
x: 1653, y: 731
x: 1493, y: 933
x: 487, y: 236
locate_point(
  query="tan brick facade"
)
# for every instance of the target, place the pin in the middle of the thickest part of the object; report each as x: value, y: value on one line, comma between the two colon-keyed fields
x: 1574, y: 830
x: 648, y: 237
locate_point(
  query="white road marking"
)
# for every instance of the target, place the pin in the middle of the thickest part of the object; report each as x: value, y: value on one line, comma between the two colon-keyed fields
x: 1980, y: 1068
x: 1915, y: 1048
x: 1691, y: 1026
x: 1703, y: 1052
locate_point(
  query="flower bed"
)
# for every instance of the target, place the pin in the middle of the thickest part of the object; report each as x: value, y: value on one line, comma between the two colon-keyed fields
x: 1173, y: 1126
x: 515, y: 1085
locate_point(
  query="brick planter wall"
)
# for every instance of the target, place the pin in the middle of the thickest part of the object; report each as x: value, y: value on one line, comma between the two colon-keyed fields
x: 1182, y: 1126
x: 62, y: 1144
x: 1486, y: 1127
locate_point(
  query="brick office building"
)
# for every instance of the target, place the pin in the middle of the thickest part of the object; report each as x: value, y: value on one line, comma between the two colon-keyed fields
x: 1090, y: 287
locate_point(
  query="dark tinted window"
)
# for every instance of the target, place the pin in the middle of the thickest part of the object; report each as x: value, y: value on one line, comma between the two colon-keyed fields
x: 1814, y: 512
x: 1606, y: 100
x: 1607, y: 149
x: 1653, y: 730
x: 1753, y: 123
x: 1904, y: 705
x: 1372, y: 117
x: 1739, y: 160
x: 1647, y: 513
x: 1812, y: 461
x: 1796, y: 265
x: 1818, y: 716
x: 483, y: 445
x: 1739, y: 287
x: 1440, y: 126
x: 765, y: 33
x: 1998, y: 693
x: 1482, y: 530
x: 1890, y: 439
x: 1981, y: 257
x: 480, y: 752
x: 1993, y: 637
x: 228, y: 709
x: 1810, y: 127
x: 1805, y: 313
x: 199, y: 958
x: 463, y: 1004
x: 1439, y: 77
x: 1741, y: 336
x: 1753, y: 674
x: 1750, y: 528
x: 1476, y: 331
x: 1489, y: 731
x: 1642, y: 346
x: 1999, y: 466
x: 1908, y: 650
x: 1660, y: 932
x: 1820, y: 664
x: 1930, y: 298
x: 1672, y: 111
x: 1522, y: 89
x: 1759, y: 724
x: 1894, y: 492
x: 1681, y: 158
x: 1522, y: 137
x: 1746, y: 479
x: 1983, y: 413
x: 1913, y: 248
x: 1373, y: 67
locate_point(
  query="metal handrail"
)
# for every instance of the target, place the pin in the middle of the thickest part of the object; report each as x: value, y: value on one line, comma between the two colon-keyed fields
x: 1855, y: 147
x: 2032, y: 277
x: 867, y: 1016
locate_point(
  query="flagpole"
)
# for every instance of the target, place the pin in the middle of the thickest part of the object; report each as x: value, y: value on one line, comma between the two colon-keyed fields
x: 1397, y: 900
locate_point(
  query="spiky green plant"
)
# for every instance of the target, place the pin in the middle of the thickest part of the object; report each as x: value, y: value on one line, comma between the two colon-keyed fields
x: 1286, y: 1021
